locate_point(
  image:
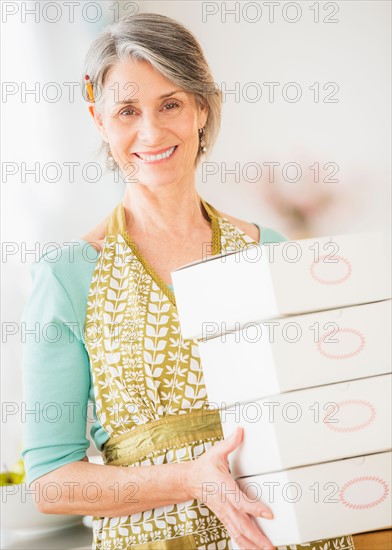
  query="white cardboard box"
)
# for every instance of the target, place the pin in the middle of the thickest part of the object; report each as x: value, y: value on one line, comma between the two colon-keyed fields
x: 311, y: 426
x: 263, y: 282
x: 324, y: 500
x: 297, y: 352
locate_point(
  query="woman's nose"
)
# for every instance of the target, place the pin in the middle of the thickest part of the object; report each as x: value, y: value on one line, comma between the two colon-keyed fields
x: 150, y: 129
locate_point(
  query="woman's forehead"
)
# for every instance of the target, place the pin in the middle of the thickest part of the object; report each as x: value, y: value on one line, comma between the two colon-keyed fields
x: 130, y: 74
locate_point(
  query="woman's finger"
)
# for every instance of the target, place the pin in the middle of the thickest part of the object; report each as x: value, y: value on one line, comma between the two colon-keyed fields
x: 254, y: 507
x: 226, y: 446
x: 244, y: 543
x: 254, y: 533
x: 241, y: 502
x: 239, y: 523
x: 242, y: 524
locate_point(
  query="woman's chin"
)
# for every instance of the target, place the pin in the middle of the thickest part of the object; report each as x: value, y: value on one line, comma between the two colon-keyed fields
x: 152, y: 180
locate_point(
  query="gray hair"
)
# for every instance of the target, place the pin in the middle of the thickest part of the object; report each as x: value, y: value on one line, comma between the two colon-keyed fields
x: 170, y: 48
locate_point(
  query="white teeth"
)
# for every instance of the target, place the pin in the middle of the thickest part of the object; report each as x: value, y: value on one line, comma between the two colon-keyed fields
x: 157, y: 157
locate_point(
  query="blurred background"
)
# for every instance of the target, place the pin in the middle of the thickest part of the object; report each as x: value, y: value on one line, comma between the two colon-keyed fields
x: 304, y: 145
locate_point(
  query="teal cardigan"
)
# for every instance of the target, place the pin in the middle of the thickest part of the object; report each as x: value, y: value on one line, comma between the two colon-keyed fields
x: 57, y: 380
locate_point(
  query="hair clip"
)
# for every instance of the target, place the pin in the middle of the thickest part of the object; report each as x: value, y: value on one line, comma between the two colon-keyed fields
x: 89, y: 88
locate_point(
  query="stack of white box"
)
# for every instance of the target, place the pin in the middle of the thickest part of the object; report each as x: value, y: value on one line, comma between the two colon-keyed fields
x: 294, y: 340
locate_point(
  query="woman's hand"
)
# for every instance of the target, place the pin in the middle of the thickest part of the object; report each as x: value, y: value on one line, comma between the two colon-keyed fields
x: 212, y: 483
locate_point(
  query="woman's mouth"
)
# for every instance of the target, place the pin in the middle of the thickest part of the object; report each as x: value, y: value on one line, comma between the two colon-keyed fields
x: 166, y: 154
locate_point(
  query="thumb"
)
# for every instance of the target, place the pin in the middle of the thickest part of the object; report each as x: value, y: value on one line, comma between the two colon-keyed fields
x: 232, y: 442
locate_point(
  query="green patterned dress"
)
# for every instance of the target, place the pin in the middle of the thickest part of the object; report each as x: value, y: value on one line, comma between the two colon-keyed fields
x: 150, y: 392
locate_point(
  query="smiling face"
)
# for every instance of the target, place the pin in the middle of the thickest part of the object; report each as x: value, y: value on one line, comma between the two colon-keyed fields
x: 150, y: 124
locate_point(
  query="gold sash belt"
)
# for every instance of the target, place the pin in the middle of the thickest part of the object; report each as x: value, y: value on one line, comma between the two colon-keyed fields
x: 165, y: 433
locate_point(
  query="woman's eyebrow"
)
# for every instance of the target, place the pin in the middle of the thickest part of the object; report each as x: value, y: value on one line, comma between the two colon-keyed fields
x: 168, y: 94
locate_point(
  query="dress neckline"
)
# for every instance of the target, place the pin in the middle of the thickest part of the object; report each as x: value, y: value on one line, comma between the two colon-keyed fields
x: 117, y: 225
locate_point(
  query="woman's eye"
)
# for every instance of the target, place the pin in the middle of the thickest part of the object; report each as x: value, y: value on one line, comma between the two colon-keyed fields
x: 127, y: 111
x: 171, y: 105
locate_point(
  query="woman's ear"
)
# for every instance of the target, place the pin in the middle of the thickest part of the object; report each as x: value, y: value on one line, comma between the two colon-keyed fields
x: 203, y: 115
x: 97, y: 117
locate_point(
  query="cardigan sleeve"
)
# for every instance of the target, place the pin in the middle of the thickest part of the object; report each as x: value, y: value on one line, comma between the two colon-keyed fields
x: 269, y: 235
x: 56, y: 377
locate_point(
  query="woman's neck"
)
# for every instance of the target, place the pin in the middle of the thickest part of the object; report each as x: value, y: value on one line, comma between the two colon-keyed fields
x: 163, y: 211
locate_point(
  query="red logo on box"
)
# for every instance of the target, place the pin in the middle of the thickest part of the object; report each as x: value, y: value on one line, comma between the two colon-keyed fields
x: 331, y: 272
x: 357, y: 342
x: 363, y: 492
x: 364, y: 411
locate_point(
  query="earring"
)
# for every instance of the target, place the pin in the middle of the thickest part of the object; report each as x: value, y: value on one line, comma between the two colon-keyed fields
x: 202, y: 134
x: 110, y: 162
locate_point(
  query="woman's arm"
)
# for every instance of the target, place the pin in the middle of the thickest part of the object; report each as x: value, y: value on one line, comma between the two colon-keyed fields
x: 55, y: 368
x: 84, y: 488
x: 111, y: 491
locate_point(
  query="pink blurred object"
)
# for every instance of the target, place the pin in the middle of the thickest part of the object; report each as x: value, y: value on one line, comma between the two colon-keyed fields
x: 306, y: 208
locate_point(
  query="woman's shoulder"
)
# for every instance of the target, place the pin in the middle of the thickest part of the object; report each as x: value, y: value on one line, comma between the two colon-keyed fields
x: 256, y: 231
x: 75, y: 255
x: 67, y: 268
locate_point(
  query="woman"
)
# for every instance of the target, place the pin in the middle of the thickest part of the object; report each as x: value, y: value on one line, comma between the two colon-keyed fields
x: 120, y: 346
